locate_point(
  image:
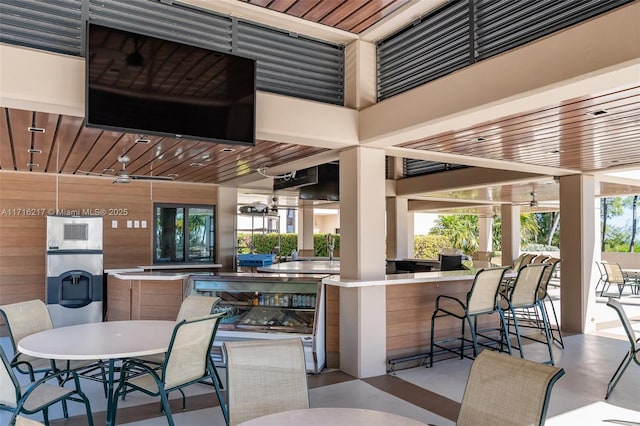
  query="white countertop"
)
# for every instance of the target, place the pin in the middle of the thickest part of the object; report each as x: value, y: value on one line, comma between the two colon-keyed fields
x: 151, y: 276
x: 182, y: 266
x: 415, y: 278
x: 304, y: 267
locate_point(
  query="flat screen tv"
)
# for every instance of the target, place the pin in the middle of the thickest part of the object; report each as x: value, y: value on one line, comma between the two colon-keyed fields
x: 328, y: 186
x: 141, y: 84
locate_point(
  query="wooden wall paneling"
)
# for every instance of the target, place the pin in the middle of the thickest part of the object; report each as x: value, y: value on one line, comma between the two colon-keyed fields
x: 25, y: 199
x: 409, y: 311
x: 119, y: 299
x: 158, y: 300
x: 186, y: 193
x: 332, y: 325
x: 123, y: 247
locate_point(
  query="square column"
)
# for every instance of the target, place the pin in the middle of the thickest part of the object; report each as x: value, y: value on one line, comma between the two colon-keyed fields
x: 510, y: 215
x: 305, y: 225
x: 399, y: 233
x: 226, y: 237
x: 578, y: 253
x: 362, y: 256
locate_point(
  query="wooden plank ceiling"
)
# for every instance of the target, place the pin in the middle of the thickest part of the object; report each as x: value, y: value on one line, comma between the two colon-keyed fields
x: 67, y: 146
x: 353, y: 16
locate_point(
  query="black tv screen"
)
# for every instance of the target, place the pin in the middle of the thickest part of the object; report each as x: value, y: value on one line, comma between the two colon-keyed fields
x: 328, y: 186
x: 146, y: 85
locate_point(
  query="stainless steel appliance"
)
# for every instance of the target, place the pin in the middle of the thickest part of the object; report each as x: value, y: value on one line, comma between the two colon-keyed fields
x: 75, y: 288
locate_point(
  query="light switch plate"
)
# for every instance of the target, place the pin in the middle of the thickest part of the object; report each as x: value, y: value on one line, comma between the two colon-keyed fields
x: 143, y: 223
x: 114, y: 224
x: 129, y: 224
x: 136, y: 224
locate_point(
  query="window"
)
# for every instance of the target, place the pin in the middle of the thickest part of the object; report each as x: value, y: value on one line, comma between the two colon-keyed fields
x: 184, y: 233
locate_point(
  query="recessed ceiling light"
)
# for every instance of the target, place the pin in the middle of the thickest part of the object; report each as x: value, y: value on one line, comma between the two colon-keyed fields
x: 33, y: 129
x: 33, y: 165
x: 34, y: 151
x: 196, y: 164
x: 227, y: 150
x: 142, y: 139
x: 173, y: 175
x: 598, y: 112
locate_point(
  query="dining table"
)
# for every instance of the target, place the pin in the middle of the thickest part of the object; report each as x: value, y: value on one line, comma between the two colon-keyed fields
x: 333, y: 416
x: 110, y: 342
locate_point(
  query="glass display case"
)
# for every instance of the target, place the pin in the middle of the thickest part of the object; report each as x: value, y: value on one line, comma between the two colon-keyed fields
x: 268, y: 306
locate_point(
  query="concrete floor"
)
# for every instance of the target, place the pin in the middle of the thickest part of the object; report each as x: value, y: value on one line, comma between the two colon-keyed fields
x: 577, y: 398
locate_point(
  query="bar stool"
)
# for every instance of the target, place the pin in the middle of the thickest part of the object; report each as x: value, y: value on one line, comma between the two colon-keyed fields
x: 522, y: 296
x: 480, y: 300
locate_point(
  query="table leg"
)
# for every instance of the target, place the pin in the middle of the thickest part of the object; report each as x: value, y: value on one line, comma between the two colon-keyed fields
x: 110, y: 400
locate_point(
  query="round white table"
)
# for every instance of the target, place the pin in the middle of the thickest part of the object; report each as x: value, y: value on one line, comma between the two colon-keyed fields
x: 304, y: 267
x: 101, y: 340
x: 333, y: 417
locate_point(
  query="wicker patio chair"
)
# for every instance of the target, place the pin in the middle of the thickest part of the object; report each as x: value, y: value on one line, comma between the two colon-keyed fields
x: 634, y: 346
x: 187, y: 361
x: 37, y: 396
x: 503, y: 390
x: 480, y: 300
x: 264, y: 377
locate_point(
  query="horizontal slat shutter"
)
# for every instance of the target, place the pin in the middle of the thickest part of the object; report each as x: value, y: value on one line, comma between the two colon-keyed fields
x: 292, y: 65
x: 53, y: 25
x: 435, y: 46
x: 504, y: 25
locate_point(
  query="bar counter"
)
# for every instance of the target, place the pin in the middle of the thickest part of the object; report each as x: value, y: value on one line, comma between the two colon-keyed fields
x: 397, y: 311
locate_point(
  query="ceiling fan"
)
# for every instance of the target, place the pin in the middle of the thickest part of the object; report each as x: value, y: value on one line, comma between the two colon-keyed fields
x: 534, y: 202
x: 124, y: 177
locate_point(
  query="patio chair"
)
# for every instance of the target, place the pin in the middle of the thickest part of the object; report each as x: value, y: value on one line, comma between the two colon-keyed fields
x: 541, y: 258
x: 633, y: 354
x: 519, y: 299
x: 265, y: 377
x: 543, y: 294
x: 37, y: 396
x: 603, y: 276
x: 480, y: 300
x: 507, y: 391
x: 615, y: 276
x: 187, y: 361
x: 191, y: 307
x: 32, y: 316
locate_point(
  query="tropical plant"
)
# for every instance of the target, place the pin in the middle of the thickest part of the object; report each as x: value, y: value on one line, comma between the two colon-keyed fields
x: 460, y: 230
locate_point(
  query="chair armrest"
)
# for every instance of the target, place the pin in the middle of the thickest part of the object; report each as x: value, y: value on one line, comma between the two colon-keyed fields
x: 444, y: 296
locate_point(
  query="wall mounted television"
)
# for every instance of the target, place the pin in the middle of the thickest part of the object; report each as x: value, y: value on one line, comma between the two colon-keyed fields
x: 328, y: 186
x: 141, y: 84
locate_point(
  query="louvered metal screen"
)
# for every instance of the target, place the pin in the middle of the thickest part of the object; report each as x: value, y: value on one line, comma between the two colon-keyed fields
x: 436, y: 45
x: 504, y: 25
x: 54, y: 25
x: 173, y: 22
x: 465, y: 31
x: 414, y: 167
x: 292, y: 65
x: 286, y: 64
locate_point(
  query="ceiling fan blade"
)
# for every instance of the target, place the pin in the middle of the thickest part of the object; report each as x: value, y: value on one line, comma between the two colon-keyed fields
x: 142, y: 177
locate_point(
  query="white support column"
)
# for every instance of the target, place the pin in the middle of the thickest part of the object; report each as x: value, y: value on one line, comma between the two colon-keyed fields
x: 578, y: 253
x: 510, y: 215
x: 362, y: 256
x: 305, y: 225
x: 485, y: 229
x: 226, y: 216
x: 360, y: 74
x: 398, y: 229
